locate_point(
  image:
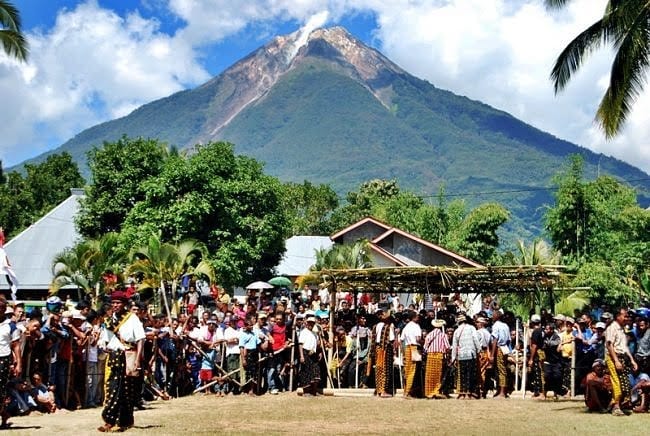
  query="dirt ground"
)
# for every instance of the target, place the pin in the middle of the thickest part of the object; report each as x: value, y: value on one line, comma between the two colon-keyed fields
x: 288, y: 413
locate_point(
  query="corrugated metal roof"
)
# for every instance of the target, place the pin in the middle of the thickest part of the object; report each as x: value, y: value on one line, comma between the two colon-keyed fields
x: 301, y: 254
x: 32, y: 251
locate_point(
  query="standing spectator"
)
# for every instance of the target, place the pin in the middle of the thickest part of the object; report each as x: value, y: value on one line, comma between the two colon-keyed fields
x: 231, y: 338
x: 537, y: 357
x: 248, y: 344
x: 500, y: 351
x: 191, y: 300
x: 411, y: 336
x: 309, y: 375
x: 553, y: 362
x: 464, y: 350
x: 436, y: 346
x: 277, y: 359
x: 620, y: 363
x: 642, y: 355
x: 385, y: 343
x: 9, y: 353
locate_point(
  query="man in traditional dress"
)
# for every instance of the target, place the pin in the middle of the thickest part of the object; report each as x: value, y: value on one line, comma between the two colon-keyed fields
x: 411, y: 336
x: 484, y: 358
x: 620, y: 363
x: 124, y: 340
x: 385, y: 344
x: 9, y: 353
x: 500, y: 351
x: 537, y: 357
x: 309, y: 375
x: 464, y: 351
x: 436, y: 346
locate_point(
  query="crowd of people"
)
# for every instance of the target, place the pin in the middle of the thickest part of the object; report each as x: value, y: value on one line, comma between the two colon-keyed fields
x: 122, y: 355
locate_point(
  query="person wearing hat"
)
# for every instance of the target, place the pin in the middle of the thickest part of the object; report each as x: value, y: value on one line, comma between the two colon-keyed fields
x: 309, y: 374
x: 464, y: 353
x: 484, y: 358
x: 598, y: 388
x: 124, y: 343
x: 249, y: 343
x: 436, y: 345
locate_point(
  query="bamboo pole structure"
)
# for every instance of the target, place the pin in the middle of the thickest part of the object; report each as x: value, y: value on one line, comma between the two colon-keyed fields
x: 573, y: 369
x: 293, y: 353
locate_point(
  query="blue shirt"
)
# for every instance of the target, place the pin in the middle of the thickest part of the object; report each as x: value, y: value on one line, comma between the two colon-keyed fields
x: 248, y: 340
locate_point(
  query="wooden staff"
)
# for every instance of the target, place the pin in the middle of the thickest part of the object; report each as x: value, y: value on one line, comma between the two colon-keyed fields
x: 325, y: 356
x: 205, y: 355
x: 293, y: 353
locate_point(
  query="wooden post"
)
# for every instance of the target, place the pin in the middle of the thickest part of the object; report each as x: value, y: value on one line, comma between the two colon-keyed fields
x: 573, y: 369
x: 516, y: 353
x: 331, y: 330
x: 524, y: 373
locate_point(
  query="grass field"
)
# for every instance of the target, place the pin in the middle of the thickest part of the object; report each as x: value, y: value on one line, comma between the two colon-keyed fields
x: 290, y: 414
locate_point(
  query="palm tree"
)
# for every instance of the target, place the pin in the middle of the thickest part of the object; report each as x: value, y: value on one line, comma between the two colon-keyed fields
x: 12, y: 39
x: 625, y: 25
x: 537, y: 253
x: 162, y: 264
x: 343, y: 256
x: 69, y: 268
x: 84, y: 264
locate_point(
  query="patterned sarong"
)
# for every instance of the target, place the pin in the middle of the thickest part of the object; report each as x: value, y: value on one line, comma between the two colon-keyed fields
x: 467, y: 377
x: 309, y: 370
x: 409, y: 368
x: 433, y: 375
x: 537, y: 381
x: 621, y: 389
x: 501, y: 369
x: 5, y: 368
x: 118, y: 397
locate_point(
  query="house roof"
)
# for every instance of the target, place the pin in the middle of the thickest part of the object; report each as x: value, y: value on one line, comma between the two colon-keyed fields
x: 401, y: 260
x: 377, y: 249
x: 32, y: 251
x: 360, y: 223
x: 431, y: 245
x: 300, y: 254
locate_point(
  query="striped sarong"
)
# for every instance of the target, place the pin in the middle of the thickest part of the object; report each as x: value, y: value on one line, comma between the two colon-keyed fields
x: 433, y: 375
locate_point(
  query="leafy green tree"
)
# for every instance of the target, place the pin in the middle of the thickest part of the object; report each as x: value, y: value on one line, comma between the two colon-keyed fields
x: 16, y: 205
x: 50, y: 181
x: 598, y: 226
x: 223, y: 200
x: 625, y: 25
x: 11, y: 35
x: 476, y: 237
x: 309, y: 207
x: 119, y: 172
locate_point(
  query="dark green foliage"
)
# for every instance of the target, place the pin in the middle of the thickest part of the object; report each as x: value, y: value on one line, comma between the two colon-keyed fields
x: 119, y: 170
x: 220, y: 199
x: 25, y: 199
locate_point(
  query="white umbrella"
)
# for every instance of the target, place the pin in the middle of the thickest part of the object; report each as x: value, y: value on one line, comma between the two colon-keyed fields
x: 259, y: 285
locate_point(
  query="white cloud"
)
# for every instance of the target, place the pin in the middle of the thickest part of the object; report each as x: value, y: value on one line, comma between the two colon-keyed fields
x: 91, y: 66
x: 496, y: 51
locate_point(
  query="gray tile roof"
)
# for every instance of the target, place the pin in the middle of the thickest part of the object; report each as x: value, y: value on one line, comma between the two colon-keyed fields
x: 32, y: 251
x: 301, y: 254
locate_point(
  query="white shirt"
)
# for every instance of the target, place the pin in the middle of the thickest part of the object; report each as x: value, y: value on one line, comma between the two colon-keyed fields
x: 229, y: 334
x: 307, y: 339
x: 130, y: 331
x: 379, y: 327
x: 7, y: 337
x: 411, y: 333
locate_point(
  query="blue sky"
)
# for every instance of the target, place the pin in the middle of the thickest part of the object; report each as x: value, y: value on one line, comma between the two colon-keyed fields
x: 96, y: 60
